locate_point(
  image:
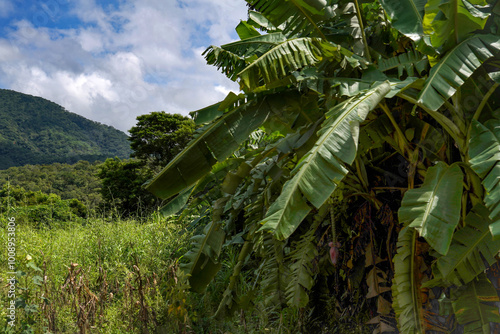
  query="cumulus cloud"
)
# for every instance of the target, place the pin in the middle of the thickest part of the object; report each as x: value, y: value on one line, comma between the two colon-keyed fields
x: 121, y: 60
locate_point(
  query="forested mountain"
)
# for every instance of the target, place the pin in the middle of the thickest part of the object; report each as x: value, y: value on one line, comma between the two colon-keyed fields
x: 34, y: 130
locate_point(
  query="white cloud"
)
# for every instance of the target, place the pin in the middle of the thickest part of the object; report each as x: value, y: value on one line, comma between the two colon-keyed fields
x: 121, y: 62
x: 6, y: 7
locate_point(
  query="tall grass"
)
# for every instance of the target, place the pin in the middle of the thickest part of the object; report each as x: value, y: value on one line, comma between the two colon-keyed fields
x: 98, y: 277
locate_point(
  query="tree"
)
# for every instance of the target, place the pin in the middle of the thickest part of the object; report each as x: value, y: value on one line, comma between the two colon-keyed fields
x: 159, y: 136
x: 122, y: 190
x: 379, y: 120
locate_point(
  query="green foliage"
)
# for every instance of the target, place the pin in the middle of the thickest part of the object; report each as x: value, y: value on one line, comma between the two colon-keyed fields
x: 377, y: 123
x: 36, y: 131
x: 122, y: 189
x: 158, y: 137
x: 78, y: 181
x: 470, y: 251
x: 317, y: 175
x: 434, y: 208
x: 40, y: 209
x: 105, y: 270
x: 456, y: 67
x: 484, y: 160
x: 470, y: 305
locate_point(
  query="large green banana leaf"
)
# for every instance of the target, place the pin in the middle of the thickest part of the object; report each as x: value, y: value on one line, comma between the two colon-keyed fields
x: 470, y: 307
x: 217, y: 141
x: 455, y: 67
x: 202, y: 263
x: 449, y: 22
x: 232, y: 58
x: 246, y: 30
x: 405, y: 289
x: 484, y: 152
x: 406, y: 16
x: 301, y: 278
x: 286, y: 57
x: 274, y: 271
x: 472, y: 245
x: 434, y: 208
x: 317, y: 175
x: 297, y: 16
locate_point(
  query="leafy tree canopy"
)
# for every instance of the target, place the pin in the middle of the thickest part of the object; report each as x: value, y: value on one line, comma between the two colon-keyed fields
x: 160, y: 136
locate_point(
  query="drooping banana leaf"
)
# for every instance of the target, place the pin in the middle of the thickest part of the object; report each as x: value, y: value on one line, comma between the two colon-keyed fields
x: 232, y: 58
x: 207, y: 114
x: 284, y: 58
x: 215, y: 143
x: 219, y: 170
x: 484, y: 152
x: 352, y: 86
x: 406, y: 16
x: 348, y: 13
x: 245, y: 30
x: 405, y: 288
x: 202, y: 263
x: 304, y: 16
x: 301, y: 278
x: 471, y: 246
x: 455, y: 67
x: 317, y: 175
x: 434, y: 208
x: 177, y: 203
x: 274, y: 272
x: 259, y: 21
x: 470, y: 308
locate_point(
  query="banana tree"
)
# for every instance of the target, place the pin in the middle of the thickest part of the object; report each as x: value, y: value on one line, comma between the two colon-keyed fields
x: 354, y: 118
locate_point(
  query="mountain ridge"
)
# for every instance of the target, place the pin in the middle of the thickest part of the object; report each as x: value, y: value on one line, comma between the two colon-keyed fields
x: 34, y: 130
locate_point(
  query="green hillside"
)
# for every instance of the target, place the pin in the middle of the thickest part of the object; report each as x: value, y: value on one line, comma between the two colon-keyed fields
x: 34, y: 130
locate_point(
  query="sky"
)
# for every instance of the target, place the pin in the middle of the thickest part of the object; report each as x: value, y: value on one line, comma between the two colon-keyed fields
x: 111, y: 61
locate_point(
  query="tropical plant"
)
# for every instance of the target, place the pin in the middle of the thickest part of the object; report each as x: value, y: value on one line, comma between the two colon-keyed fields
x: 359, y: 163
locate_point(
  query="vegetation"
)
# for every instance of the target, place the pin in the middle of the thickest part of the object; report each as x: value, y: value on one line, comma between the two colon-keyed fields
x: 101, y: 277
x: 160, y: 136
x: 78, y: 181
x: 36, y: 131
x: 122, y: 188
x: 352, y: 186
x: 356, y: 174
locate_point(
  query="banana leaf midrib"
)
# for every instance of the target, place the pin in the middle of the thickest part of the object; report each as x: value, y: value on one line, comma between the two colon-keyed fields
x: 429, y: 205
x: 325, y: 137
x: 470, y: 249
x: 253, y: 40
x: 309, y: 19
x: 273, y: 50
x: 442, y: 62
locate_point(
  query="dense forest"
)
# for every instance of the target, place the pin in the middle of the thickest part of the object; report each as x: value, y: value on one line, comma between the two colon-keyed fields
x: 78, y: 181
x: 34, y: 130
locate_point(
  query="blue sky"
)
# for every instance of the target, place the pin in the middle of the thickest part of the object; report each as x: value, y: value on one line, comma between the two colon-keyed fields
x: 111, y: 61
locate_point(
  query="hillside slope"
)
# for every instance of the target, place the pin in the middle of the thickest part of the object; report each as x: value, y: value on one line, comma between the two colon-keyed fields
x: 34, y: 130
